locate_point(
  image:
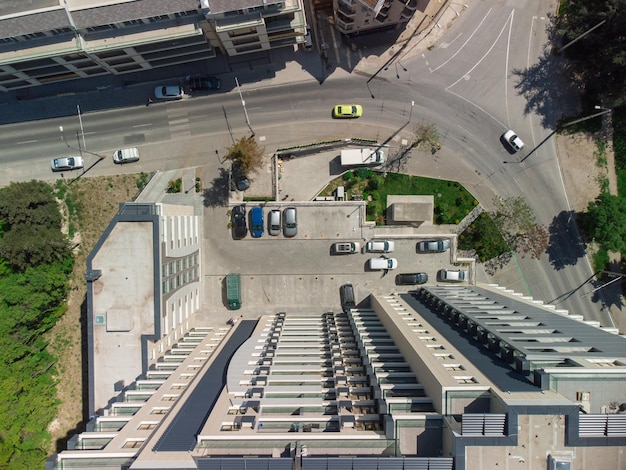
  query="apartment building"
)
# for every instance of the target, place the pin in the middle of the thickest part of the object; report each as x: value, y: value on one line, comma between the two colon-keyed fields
x: 45, y: 41
x: 143, y: 286
x: 444, y: 377
x: 358, y: 16
x: 237, y: 27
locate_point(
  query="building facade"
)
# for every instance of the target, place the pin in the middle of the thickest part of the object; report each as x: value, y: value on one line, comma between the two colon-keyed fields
x: 56, y: 40
x: 358, y: 16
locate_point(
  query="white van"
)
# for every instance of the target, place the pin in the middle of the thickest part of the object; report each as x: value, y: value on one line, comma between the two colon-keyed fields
x: 126, y: 155
x: 377, y: 264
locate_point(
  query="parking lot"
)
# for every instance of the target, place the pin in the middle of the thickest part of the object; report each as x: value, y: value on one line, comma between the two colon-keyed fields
x: 302, y: 272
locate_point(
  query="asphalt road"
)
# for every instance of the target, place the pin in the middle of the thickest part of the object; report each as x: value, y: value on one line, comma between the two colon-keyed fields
x: 485, y: 75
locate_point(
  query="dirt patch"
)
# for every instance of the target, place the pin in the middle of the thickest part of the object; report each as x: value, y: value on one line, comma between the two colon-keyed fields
x: 584, y: 171
x: 91, y: 203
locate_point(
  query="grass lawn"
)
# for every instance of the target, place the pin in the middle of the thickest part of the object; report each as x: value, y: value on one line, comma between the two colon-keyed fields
x: 452, y: 201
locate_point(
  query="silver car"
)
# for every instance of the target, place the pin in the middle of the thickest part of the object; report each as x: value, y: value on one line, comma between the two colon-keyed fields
x: 273, y: 223
x: 290, y: 222
x: 67, y: 163
x: 169, y: 92
x: 433, y: 246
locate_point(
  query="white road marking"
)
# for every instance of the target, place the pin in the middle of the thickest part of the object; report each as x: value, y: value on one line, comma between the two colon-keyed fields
x: 468, y: 73
x: 143, y: 125
x: 27, y: 142
x: 465, y: 43
x: 506, y: 71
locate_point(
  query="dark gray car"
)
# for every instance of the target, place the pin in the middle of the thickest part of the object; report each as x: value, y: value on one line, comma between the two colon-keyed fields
x: 411, y: 279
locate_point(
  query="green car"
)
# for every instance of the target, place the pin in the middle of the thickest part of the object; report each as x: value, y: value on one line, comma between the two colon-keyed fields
x: 347, y: 111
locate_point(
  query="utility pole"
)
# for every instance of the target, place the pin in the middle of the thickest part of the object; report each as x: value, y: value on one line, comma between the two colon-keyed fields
x: 243, y: 103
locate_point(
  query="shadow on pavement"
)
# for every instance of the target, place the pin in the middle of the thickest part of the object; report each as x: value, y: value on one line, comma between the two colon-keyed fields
x: 565, y: 245
x: 216, y: 194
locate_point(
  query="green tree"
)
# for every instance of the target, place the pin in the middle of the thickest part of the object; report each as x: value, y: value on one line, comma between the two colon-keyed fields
x: 516, y: 222
x: 246, y: 155
x: 30, y: 245
x: 597, y: 59
x: 30, y: 203
x: 605, y: 222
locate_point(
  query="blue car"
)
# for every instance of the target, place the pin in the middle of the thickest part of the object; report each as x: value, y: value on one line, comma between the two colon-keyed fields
x: 256, y: 222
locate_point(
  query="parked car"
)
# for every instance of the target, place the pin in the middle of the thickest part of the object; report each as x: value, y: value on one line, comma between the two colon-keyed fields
x: 513, y: 140
x: 168, y: 92
x: 256, y: 222
x: 347, y: 111
x: 346, y: 248
x: 67, y: 163
x: 273, y: 223
x: 433, y: 246
x: 406, y: 279
x: 240, y: 229
x: 453, y: 275
x: 241, y: 181
x: 126, y: 155
x: 379, y: 246
x: 376, y: 264
x: 290, y: 222
x: 204, y: 83
x: 346, y: 294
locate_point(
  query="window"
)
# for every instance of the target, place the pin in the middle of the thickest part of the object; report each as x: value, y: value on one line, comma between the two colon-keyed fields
x: 159, y: 411
x: 133, y: 444
x: 146, y: 426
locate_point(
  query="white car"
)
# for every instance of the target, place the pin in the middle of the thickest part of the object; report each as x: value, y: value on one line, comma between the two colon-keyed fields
x: 126, y: 155
x: 513, y: 140
x: 379, y: 246
x: 453, y: 275
x: 377, y: 264
x: 67, y: 163
x: 168, y: 92
x: 346, y: 248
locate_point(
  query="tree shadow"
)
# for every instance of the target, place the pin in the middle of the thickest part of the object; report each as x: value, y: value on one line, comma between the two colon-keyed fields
x: 548, y: 86
x: 565, y: 245
x: 216, y: 193
x: 613, y: 294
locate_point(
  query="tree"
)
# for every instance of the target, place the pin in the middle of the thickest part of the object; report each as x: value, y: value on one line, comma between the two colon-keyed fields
x: 598, y: 59
x: 30, y: 203
x: 516, y: 222
x: 246, y: 155
x: 606, y: 222
x: 428, y: 134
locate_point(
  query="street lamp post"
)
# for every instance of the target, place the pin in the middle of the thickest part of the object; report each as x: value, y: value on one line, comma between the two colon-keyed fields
x: 243, y: 103
x: 80, y: 150
x: 411, y: 112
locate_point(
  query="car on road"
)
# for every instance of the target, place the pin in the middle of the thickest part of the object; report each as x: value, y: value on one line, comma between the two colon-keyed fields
x: 273, y: 223
x: 346, y: 294
x: 513, y: 140
x: 376, y: 264
x: 256, y: 222
x: 290, y: 222
x: 204, y: 83
x: 347, y: 111
x: 411, y: 279
x: 380, y: 246
x: 346, y: 248
x: 126, y: 155
x: 240, y: 228
x: 169, y: 92
x: 433, y: 246
x: 67, y: 163
x: 453, y: 275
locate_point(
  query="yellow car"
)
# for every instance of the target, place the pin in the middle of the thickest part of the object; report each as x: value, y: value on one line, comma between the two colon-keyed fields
x: 348, y: 111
